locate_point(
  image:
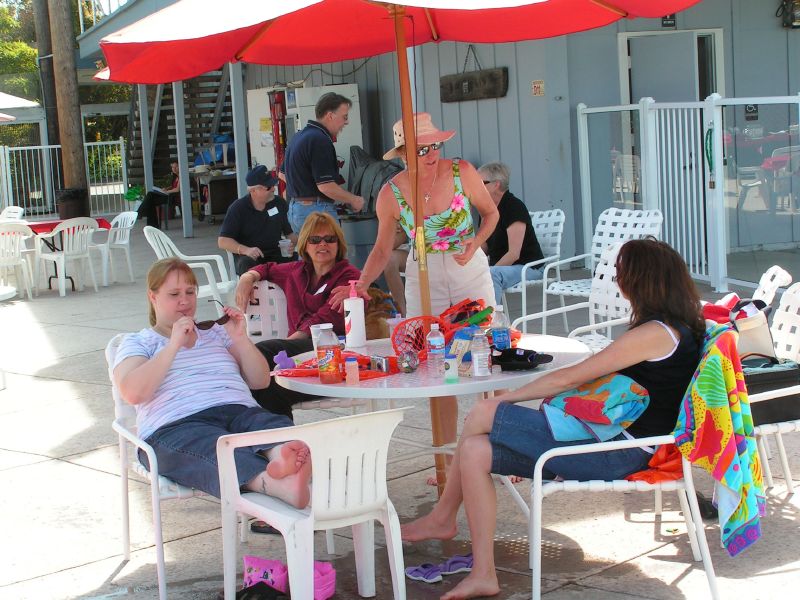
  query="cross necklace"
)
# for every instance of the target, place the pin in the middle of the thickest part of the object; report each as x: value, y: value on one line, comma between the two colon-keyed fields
x: 427, y: 195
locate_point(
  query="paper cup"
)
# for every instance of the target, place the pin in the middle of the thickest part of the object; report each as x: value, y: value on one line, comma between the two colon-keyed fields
x: 286, y: 247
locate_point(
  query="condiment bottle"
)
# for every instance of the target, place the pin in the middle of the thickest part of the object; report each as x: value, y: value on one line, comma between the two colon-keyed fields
x: 351, y: 370
x: 354, y: 326
x: 329, y: 355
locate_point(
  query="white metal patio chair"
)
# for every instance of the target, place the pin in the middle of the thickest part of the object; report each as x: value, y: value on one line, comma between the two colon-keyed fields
x: 607, y: 307
x: 119, y: 238
x: 549, y: 228
x: 684, y: 488
x: 773, y: 278
x: 348, y: 488
x: 613, y: 226
x: 785, y: 329
x: 161, y: 488
x: 12, y: 213
x: 217, y: 287
x: 12, y: 242
x: 269, y: 305
x: 74, y: 236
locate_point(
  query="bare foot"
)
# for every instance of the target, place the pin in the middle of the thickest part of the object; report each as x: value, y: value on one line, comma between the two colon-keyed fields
x: 290, y: 458
x: 428, y: 527
x: 515, y: 478
x: 474, y: 586
x: 292, y: 489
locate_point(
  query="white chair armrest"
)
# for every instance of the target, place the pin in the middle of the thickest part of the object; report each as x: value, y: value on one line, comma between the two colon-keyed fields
x: 595, y: 326
x: 134, y: 439
x: 206, y: 267
x: 777, y: 393
x: 658, y: 440
x: 549, y: 312
x: 564, y: 261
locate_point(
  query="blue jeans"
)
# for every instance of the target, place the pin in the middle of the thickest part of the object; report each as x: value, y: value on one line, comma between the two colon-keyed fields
x: 506, y: 277
x: 520, y: 435
x: 298, y: 212
x: 186, y: 449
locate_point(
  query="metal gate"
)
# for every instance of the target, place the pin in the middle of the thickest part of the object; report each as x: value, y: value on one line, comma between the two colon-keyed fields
x: 29, y: 176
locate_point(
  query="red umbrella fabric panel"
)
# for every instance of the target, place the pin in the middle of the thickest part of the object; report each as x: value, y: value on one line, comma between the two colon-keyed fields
x: 192, y: 37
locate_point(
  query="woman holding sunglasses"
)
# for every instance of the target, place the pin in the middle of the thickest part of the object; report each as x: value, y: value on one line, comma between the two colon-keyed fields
x: 307, y: 284
x: 190, y: 383
x: 457, y: 266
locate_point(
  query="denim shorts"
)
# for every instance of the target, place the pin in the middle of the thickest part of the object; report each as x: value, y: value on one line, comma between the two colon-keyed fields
x: 299, y: 211
x: 520, y: 435
x: 186, y: 449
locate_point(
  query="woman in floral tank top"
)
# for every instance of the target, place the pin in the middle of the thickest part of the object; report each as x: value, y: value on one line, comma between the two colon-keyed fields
x: 457, y: 266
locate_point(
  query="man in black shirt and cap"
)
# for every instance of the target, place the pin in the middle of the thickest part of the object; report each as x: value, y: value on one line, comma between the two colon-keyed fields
x: 513, y: 242
x: 254, y: 224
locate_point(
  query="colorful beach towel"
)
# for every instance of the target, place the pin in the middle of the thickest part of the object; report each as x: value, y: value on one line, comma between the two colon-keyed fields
x: 598, y: 410
x: 715, y: 432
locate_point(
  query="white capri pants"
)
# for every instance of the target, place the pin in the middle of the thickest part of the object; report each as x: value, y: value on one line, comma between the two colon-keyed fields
x: 450, y: 283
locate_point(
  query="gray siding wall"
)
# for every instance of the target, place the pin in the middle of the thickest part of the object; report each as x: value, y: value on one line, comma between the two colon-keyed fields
x: 536, y: 136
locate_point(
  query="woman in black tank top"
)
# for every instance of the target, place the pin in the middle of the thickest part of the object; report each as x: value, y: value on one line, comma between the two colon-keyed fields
x: 660, y: 351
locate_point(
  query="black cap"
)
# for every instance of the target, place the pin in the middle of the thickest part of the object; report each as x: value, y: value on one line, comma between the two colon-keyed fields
x: 260, y: 175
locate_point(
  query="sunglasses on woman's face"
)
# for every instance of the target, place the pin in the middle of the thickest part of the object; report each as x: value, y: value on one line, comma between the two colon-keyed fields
x: 423, y: 150
x: 318, y: 239
x: 204, y: 325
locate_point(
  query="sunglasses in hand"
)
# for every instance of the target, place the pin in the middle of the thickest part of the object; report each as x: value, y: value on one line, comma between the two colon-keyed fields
x: 204, y: 325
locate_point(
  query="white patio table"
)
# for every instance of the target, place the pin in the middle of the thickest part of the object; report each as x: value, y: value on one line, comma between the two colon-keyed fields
x: 421, y: 383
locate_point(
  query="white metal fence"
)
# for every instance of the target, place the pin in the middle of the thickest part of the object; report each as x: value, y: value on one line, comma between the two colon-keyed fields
x: 30, y: 175
x: 682, y: 159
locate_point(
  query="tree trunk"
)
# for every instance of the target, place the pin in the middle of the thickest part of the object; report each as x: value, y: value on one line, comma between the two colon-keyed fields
x: 66, y: 78
x: 45, y: 48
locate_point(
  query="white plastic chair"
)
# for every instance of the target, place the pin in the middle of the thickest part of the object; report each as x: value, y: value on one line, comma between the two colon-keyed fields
x: 12, y: 212
x: 684, y: 487
x: 270, y: 308
x: 773, y: 278
x: 348, y: 488
x: 549, y: 228
x: 216, y: 287
x: 161, y: 488
x: 12, y: 242
x: 119, y: 238
x: 607, y: 307
x: 785, y: 329
x: 74, y: 236
x: 613, y: 226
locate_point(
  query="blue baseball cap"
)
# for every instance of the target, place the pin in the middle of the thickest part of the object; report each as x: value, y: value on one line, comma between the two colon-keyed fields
x: 260, y: 175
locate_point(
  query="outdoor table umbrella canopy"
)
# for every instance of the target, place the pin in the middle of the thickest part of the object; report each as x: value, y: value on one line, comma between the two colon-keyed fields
x: 192, y: 37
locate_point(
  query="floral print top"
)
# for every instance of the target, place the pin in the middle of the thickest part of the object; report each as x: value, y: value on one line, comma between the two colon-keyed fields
x: 443, y: 232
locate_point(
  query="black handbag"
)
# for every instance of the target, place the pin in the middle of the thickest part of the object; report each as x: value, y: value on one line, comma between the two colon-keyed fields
x: 762, y: 375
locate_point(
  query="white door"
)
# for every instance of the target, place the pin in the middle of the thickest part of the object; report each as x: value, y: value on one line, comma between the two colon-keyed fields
x: 664, y: 67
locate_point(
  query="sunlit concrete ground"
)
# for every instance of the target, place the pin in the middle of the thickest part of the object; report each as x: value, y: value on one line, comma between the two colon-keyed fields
x: 60, y: 493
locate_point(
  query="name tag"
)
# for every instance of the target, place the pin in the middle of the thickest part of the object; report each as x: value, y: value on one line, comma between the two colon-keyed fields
x: 321, y: 289
x: 272, y: 211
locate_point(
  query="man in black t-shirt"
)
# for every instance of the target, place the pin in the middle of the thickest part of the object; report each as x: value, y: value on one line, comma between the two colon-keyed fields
x: 254, y: 223
x: 311, y: 169
x: 513, y: 243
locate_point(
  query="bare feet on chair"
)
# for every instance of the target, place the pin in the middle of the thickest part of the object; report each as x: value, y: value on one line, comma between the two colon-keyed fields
x: 292, y: 489
x: 290, y: 458
x: 429, y: 527
x: 474, y: 585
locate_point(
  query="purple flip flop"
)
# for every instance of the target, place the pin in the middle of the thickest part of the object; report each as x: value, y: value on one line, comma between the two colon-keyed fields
x: 427, y: 572
x: 456, y: 564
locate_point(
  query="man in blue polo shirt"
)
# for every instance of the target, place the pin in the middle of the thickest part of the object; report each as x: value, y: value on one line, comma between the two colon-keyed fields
x: 254, y: 223
x: 311, y: 168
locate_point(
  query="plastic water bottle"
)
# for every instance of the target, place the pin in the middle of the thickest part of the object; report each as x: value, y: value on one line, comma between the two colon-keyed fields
x: 435, y: 345
x: 501, y: 332
x: 479, y: 348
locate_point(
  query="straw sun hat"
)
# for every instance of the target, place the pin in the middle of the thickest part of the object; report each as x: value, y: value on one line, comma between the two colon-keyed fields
x: 427, y: 133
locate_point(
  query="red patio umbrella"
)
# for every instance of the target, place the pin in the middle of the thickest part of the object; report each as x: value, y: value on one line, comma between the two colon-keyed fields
x: 192, y: 37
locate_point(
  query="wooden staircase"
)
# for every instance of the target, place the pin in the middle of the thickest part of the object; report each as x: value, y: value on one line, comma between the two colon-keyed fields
x: 207, y: 107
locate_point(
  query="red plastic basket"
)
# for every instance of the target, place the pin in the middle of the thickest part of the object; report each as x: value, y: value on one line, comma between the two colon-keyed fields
x: 410, y: 335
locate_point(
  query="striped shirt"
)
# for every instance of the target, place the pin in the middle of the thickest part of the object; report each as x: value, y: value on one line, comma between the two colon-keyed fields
x: 200, y: 377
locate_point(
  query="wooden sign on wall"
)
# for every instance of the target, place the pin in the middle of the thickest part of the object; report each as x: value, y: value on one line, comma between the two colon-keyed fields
x: 474, y: 85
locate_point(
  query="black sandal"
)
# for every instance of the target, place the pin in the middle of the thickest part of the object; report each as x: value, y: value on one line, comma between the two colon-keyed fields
x: 263, y: 527
x: 518, y: 359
